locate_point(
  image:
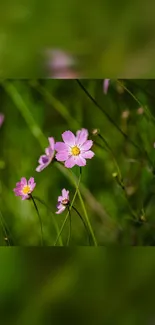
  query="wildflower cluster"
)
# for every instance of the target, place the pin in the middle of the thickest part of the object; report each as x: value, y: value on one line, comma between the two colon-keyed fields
x: 74, y: 150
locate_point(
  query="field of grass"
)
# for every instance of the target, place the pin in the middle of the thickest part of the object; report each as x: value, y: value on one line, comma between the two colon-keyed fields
x: 116, y: 192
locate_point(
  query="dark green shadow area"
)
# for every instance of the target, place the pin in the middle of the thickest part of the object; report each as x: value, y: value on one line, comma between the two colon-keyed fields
x: 97, y: 286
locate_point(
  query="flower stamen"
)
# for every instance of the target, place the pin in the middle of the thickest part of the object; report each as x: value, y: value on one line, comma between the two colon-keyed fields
x: 65, y: 202
x: 75, y: 151
x: 26, y: 189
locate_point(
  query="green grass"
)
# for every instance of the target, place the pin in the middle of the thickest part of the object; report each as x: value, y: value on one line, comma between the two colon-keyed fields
x: 117, y: 185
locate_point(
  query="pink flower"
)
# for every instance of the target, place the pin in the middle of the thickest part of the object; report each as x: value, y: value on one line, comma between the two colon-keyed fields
x: 24, y: 188
x: 63, y: 201
x: 1, y: 119
x: 75, y: 149
x: 61, y: 64
x: 46, y: 159
x: 106, y: 85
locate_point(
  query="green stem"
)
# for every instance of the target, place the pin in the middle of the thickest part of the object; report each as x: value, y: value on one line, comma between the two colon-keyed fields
x: 69, y: 235
x: 41, y: 227
x: 137, y: 100
x: 107, y: 115
x: 4, y: 230
x: 111, y: 152
x: 53, y: 216
x: 64, y: 222
x: 78, y: 213
x: 119, y: 174
x: 84, y: 210
x: 127, y: 200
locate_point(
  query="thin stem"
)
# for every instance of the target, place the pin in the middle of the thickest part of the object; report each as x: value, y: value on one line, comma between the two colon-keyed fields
x: 82, y: 222
x: 64, y: 222
x: 85, y: 212
x: 107, y: 115
x: 146, y: 111
x: 69, y: 235
x: 53, y: 216
x: 130, y: 93
x: 127, y: 200
x: 137, y: 100
x: 61, y: 229
x: 133, y: 83
x: 41, y: 227
x: 4, y: 230
x: 111, y: 152
x: 119, y: 173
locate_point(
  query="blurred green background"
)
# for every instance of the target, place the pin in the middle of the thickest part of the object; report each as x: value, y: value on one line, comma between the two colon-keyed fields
x: 98, y: 286
x: 37, y: 109
x: 107, y: 38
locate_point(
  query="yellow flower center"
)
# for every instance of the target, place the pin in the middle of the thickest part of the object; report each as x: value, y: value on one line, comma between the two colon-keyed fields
x: 75, y: 151
x: 26, y: 189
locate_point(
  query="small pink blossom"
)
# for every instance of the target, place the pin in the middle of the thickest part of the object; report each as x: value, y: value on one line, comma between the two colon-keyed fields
x: 106, y: 85
x: 46, y: 159
x: 2, y: 117
x: 63, y: 201
x: 75, y: 149
x: 24, y: 188
x: 61, y: 64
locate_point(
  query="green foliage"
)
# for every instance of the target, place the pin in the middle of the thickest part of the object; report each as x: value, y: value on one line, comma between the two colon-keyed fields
x: 117, y: 184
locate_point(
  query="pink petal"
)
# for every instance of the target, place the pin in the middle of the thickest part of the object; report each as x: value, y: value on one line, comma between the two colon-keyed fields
x: 43, y: 160
x: 40, y: 168
x: 18, y: 184
x: 88, y: 154
x: 23, y: 181
x: 49, y: 152
x: 80, y: 161
x: 81, y: 136
x: 52, y: 142
x: 70, y: 162
x: 87, y: 145
x: 65, y: 193
x: 25, y: 197
x: 31, y: 181
x: 106, y: 85
x: 40, y: 159
x: 59, y: 205
x: 61, y: 146
x: 60, y: 210
x: 69, y: 138
x: 17, y: 191
x: 60, y: 198
x: 62, y: 156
